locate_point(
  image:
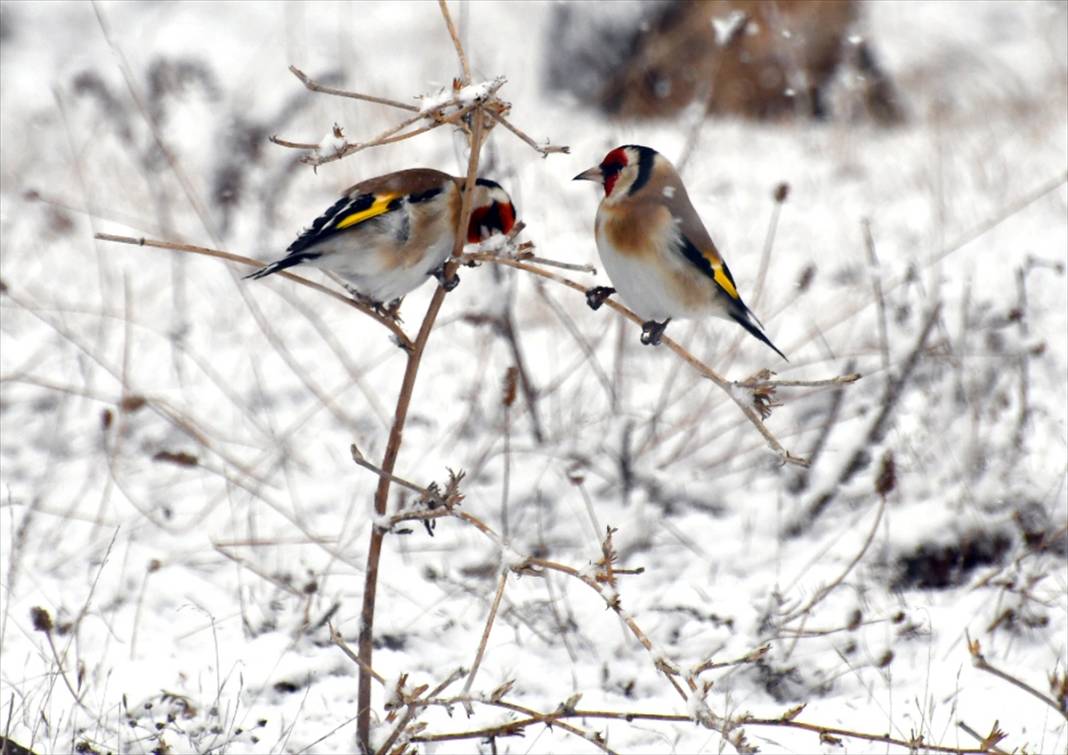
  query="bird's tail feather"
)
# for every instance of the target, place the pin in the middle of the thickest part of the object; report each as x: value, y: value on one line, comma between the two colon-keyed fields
x: 743, y: 317
x: 282, y: 264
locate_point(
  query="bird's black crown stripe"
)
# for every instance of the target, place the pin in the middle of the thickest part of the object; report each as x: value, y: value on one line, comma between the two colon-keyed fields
x: 487, y: 182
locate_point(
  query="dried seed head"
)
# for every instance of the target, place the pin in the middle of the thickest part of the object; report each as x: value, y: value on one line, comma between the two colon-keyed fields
x: 511, y: 376
x: 886, y: 481
x: 782, y: 191
x: 132, y: 403
x: 42, y: 620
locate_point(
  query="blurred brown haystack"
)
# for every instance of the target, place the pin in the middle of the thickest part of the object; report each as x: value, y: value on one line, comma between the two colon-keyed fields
x: 754, y: 58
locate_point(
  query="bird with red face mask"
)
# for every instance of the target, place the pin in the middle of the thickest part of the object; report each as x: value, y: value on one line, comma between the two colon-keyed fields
x: 385, y: 236
x: 655, y: 248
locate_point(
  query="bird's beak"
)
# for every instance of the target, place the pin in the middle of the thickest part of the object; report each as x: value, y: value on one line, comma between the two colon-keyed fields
x: 593, y: 174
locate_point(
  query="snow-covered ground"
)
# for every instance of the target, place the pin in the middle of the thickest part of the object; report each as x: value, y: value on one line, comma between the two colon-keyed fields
x: 189, y: 594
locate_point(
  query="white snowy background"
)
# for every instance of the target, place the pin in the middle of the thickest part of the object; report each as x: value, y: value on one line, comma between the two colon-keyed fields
x: 188, y: 601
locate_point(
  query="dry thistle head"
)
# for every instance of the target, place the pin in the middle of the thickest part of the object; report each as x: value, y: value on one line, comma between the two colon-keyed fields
x: 42, y: 620
x: 762, y: 391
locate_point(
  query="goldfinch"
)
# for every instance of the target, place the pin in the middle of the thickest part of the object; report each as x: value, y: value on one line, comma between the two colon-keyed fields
x: 386, y: 235
x: 655, y: 249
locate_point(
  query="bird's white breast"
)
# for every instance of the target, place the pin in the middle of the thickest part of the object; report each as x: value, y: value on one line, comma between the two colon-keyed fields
x: 650, y: 283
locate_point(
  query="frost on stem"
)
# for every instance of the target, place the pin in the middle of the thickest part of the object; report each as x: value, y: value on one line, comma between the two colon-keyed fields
x: 333, y: 144
x: 458, y: 96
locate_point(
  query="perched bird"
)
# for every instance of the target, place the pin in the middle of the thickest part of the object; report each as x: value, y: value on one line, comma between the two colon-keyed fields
x: 655, y: 249
x: 386, y: 235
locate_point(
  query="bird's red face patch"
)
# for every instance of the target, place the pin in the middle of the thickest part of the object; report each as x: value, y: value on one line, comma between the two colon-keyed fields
x: 498, y: 216
x: 612, y: 164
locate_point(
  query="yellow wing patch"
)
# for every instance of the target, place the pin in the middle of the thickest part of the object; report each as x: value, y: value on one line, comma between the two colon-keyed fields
x: 379, y: 207
x: 723, y: 279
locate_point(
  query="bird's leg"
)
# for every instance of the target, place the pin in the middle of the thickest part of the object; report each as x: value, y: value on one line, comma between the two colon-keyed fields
x: 367, y: 301
x: 391, y: 310
x: 446, y: 283
x: 652, y: 330
x: 597, y: 295
x: 386, y: 310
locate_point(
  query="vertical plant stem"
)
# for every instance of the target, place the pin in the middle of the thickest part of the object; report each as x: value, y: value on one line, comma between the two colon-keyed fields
x: 393, y: 445
x: 501, y: 582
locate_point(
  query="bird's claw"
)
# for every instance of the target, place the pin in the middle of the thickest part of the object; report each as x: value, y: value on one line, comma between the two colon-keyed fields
x: 446, y: 283
x: 652, y: 330
x: 597, y: 296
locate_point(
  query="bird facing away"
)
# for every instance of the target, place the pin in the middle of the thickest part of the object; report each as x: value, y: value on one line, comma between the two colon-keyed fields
x: 655, y: 248
x: 386, y: 235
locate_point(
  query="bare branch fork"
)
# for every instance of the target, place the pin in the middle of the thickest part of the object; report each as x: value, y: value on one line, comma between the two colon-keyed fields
x: 454, y: 110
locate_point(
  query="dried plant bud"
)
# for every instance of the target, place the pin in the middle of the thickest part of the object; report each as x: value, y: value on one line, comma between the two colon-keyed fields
x: 42, y: 620
x: 132, y: 403
x: 511, y: 376
x: 782, y: 191
x: 154, y: 565
x: 885, y: 659
x: 105, y: 419
x: 181, y: 458
x: 338, y: 133
x: 804, y: 280
x: 854, y: 619
x: 886, y: 481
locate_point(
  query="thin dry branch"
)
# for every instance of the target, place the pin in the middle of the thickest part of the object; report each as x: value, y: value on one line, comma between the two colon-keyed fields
x: 315, y: 86
x: 385, y: 322
x: 566, y: 711
x: 501, y: 582
x: 544, y: 149
x: 861, y: 456
x: 827, y: 589
x: 877, y: 287
x: 734, y: 390
x: 455, y: 35
x: 981, y: 663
